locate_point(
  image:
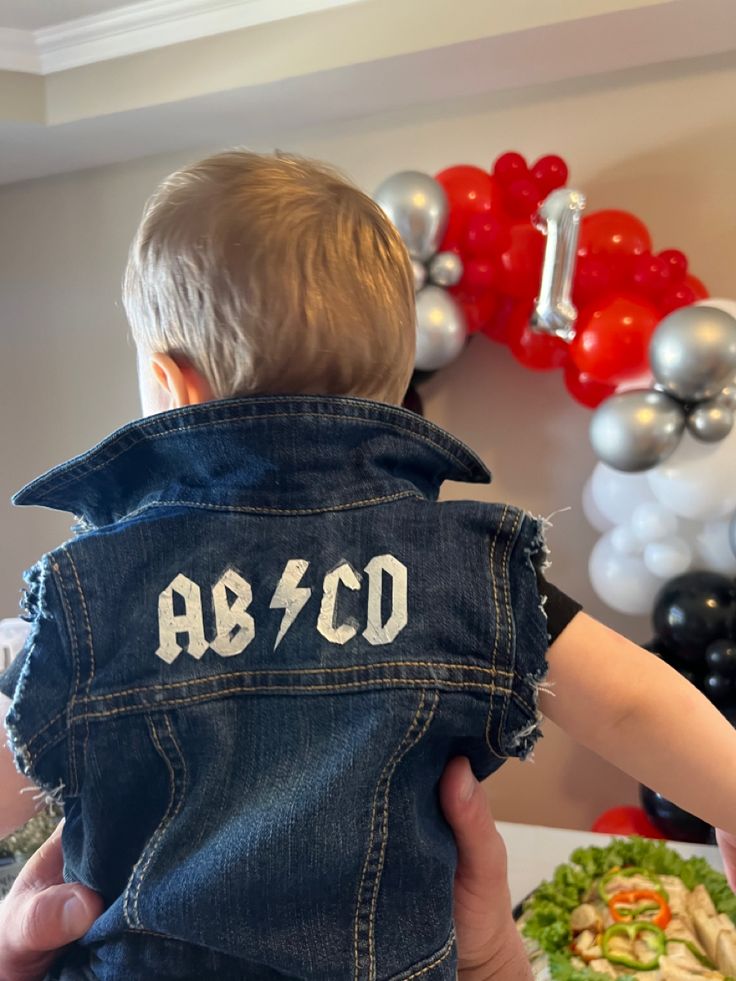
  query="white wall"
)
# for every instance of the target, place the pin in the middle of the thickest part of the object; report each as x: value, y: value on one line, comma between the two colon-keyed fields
x: 659, y: 142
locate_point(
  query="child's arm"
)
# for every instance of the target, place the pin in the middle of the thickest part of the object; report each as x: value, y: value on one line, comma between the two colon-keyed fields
x: 16, y: 807
x: 642, y: 716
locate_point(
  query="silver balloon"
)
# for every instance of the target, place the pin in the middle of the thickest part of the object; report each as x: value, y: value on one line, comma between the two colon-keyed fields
x: 732, y: 533
x: 441, y: 329
x: 710, y: 421
x: 446, y: 269
x: 693, y: 352
x: 420, y: 274
x: 635, y: 431
x: 727, y: 396
x: 559, y: 219
x: 419, y: 208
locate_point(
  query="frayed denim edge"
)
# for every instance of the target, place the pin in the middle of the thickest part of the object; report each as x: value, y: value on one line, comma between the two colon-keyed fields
x: 537, y: 556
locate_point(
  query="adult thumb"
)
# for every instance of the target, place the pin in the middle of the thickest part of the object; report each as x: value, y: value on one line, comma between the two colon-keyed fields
x: 58, y: 915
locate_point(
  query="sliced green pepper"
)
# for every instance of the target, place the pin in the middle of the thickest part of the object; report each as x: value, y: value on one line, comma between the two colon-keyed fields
x: 627, y: 873
x: 693, y: 950
x: 632, y: 931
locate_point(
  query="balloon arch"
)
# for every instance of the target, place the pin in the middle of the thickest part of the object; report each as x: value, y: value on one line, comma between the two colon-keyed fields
x: 510, y: 254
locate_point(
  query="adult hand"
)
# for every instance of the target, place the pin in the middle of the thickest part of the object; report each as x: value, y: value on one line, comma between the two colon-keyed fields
x: 488, y: 944
x: 41, y: 914
x: 727, y: 844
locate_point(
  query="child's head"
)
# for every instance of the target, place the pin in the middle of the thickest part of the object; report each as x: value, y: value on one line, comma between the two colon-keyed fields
x: 272, y: 275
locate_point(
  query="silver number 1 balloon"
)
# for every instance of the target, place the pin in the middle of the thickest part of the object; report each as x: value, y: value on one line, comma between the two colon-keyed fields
x: 559, y: 219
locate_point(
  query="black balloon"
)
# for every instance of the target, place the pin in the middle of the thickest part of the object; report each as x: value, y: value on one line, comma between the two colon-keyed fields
x: 721, y: 658
x: 413, y: 401
x: 654, y: 647
x: 694, y: 610
x: 718, y: 688
x: 419, y: 377
x: 672, y: 821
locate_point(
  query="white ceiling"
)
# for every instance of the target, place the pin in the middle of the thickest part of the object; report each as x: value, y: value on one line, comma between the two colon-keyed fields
x: 30, y: 15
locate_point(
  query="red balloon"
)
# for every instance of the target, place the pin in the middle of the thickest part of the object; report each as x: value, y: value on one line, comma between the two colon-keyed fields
x: 677, y: 261
x: 594, y: 275
x: 698, y: 287
x: 485, y: 235
x: 535, y: 350
x: 550, y: 172
x: 522, y: 197
x: 510, y: 167
x: 584, y: 389
x: 613, y: 233
x: 682, y: 295
x: 520, y: 265
x: 626, y: 821
x: 479, y: 275
x: 650, y: 274
x: 507, y: 315
x: 478, y: 308
x: 613, y: 337
x: 470, y: 191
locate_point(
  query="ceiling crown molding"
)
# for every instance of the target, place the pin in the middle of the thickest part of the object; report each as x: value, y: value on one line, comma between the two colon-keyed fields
x: 138, y: 27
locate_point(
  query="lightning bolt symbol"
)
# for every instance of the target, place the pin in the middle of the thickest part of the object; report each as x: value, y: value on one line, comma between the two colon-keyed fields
x: 289, y: 596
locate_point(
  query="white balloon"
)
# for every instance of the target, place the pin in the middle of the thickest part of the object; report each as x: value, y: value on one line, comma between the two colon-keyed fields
x: 594, y: 516
x: 651, y: 521
x: 622, y: 581
x: 625, y: 541
x: 699, y: 480
x: 668, y: 558
x: 728, y: 306
x: 713, y: 545
x: 616, y: 494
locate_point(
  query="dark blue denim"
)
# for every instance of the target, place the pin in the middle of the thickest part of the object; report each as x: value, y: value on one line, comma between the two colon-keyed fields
x: 247, y: 673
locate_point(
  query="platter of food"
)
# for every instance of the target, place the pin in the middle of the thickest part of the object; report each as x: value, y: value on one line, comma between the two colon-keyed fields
x: 633, y: 909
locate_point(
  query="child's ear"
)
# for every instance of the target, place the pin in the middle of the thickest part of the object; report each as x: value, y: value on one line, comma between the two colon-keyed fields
x: 181, y: 383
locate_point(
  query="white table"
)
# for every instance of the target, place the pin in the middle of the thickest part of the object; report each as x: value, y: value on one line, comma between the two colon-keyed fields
x: 535, y: 852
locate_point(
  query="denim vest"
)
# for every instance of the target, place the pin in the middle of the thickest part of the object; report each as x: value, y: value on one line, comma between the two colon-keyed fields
x: 247, y: 673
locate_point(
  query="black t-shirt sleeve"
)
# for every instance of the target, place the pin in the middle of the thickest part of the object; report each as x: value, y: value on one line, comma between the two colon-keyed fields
x: 560, y: 608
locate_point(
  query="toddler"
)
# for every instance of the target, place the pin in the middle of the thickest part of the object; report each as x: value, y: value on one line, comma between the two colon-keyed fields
x: 249, y: 669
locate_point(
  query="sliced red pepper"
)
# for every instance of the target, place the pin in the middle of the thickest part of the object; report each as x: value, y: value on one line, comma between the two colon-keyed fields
x: 625, y: 907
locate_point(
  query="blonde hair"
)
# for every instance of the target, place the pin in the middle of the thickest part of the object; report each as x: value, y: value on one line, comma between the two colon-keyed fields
x: 273, y: 274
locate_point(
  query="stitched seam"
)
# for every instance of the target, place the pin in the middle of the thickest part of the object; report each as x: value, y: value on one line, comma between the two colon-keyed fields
x: 79, y: 473
x: 48, y: 725
x: 491, y: 558
x: 163, y: 824
x: 510, y: 625
x: 287, y: 671
x: 441, y: 955
x: 523, y: 702
x: 253, y: 509
x: 371, y: 838
x: 128, y: 912
x: 384, y: 830
x: 88, y: 631
x: 75, y: 656
x: 290, y: 689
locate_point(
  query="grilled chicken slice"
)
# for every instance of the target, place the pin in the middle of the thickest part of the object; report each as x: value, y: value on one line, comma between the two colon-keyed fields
x: 585, y: 917
x: 602, y: 966
x: 725, y: 959
x: 699, y: 899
